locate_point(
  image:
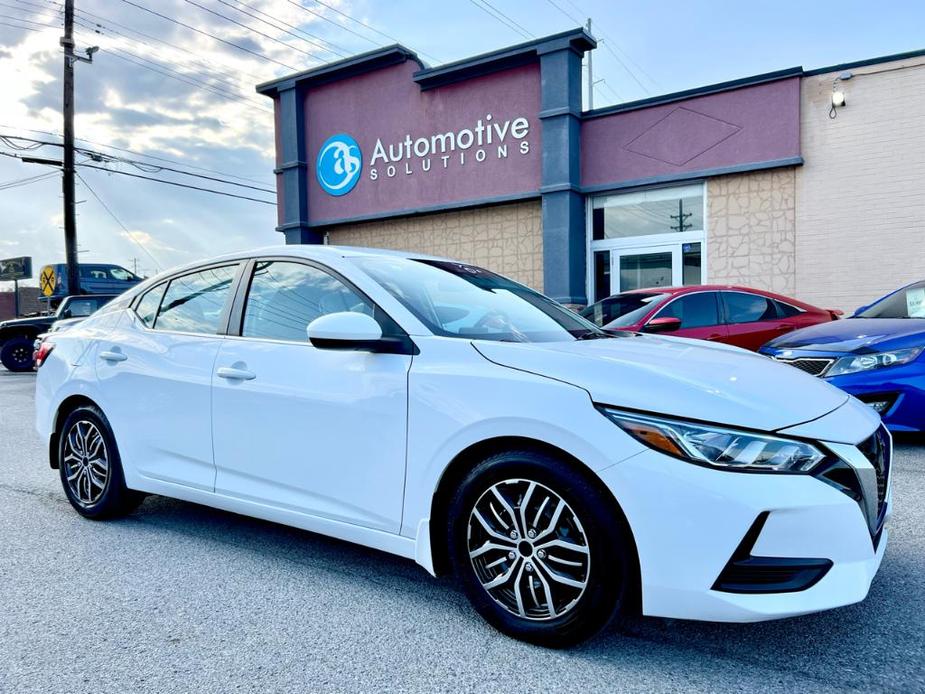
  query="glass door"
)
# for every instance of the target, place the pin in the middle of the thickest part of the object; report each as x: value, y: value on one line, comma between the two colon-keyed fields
x: 618, y: 270
x: 638, y: 268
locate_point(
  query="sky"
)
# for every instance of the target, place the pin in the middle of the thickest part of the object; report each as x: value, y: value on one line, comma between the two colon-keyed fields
x: 173, y: 86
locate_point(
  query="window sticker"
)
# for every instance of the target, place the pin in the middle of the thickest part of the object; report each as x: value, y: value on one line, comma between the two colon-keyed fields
x: 915, y: 302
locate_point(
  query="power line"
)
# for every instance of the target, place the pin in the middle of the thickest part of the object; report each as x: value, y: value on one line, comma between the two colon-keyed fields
x: 211, y: 71
x: 249, y: 28
x: 328, y: 20
x: 368, y: 26
x: 491, y: 11
x: 101, y: 157
x: 16, y: 183
x: 136, y: 153
x: 112, y: 214
x: 296, y: 31
x: 166, y: 71
x: 175, y: 183
x: 211, y: 36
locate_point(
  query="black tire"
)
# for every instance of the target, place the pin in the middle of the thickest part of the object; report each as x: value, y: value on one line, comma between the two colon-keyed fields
x: 607, y: 568
x: 112, y: 498
x: 16, y: 354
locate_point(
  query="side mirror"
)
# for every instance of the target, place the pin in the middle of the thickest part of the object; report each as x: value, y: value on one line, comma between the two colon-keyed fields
x: 345, y: 330
x: 665, y: 324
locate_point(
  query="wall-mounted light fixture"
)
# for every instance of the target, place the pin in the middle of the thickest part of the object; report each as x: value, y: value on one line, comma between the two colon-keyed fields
x: 838, y: 96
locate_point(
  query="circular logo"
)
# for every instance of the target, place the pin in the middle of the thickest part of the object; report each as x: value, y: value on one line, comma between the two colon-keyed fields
x: 339, y: 163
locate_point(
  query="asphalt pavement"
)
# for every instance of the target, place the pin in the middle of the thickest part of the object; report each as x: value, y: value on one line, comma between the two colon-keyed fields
x: 182, y: 598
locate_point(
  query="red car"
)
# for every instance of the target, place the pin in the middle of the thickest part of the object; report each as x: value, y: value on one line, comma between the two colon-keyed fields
x: 735, y: 315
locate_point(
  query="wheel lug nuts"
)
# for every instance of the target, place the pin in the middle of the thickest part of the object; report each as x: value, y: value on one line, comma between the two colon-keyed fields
x: 529, y: 568
x: 513, y: 534
x: 541, y: 554
x: 511, y: 555
x: 531, y: 534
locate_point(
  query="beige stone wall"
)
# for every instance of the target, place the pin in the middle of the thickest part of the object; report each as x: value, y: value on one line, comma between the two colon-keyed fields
x: 861, y: 193
x: 751, y: 230
x: 507, y: 239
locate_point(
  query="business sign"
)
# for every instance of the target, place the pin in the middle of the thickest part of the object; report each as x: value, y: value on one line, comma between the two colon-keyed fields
x: 381, y: 145
x: 16, y: 269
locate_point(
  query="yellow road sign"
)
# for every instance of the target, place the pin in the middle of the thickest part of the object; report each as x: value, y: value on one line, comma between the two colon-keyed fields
x: 47, y: 280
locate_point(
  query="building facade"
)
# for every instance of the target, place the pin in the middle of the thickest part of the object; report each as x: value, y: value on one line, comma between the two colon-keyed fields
x: 761, y: 181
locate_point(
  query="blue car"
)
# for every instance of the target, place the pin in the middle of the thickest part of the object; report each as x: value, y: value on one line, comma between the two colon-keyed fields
x: 876, y: 355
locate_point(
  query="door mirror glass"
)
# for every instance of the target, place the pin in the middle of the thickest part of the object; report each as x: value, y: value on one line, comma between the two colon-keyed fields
x: 665, y: 324
x: 345, y: 330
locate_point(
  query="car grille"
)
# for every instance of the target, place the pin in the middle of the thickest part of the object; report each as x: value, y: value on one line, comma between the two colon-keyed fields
x: 877, y: 450
x: 814, y: 366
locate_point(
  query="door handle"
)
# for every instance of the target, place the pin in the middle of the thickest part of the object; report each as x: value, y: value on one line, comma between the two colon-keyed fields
x: 111, y: 355
x: 234, y: 374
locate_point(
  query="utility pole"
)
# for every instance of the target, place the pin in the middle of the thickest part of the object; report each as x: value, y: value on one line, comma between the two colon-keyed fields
x: 135, y: 265
x: 67, y: 184
x: 70, y: 210
x: 590, y: 73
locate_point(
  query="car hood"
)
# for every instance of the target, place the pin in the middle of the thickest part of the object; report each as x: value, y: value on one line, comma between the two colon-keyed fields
x: 678, y: 377
x: 855, y: 335
x: 23, y: 322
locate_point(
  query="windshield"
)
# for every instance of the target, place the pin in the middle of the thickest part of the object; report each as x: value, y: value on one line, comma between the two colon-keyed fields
x: 623, y: 309
x: 906, y: 303
x: 459, y: 300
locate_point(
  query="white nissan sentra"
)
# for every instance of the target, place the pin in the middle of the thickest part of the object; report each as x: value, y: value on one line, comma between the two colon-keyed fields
x: 441, y: 412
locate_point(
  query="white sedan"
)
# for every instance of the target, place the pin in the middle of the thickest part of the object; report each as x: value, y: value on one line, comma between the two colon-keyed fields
x: 441, y: 412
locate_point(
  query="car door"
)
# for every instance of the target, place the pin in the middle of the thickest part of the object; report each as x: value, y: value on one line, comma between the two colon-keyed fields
x: 155, y: 372
x: 699, y: 314
x: 751, y: 319
x: 319, y: 431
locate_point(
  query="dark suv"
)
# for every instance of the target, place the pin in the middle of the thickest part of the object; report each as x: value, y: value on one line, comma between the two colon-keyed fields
x: 17, y: 336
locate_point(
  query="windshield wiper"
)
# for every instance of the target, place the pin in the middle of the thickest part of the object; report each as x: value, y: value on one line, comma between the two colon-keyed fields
x: 594, y: 335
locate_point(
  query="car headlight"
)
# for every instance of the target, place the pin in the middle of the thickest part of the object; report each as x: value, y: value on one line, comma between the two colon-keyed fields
x: 878, y: 360
x: 716, y: 446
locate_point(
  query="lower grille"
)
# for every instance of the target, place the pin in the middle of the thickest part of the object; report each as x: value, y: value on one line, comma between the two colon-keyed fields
x: 814, y: 366
x: 877, y: 450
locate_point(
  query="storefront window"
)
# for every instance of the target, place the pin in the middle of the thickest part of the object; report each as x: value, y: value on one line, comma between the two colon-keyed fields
x: 648, y: 213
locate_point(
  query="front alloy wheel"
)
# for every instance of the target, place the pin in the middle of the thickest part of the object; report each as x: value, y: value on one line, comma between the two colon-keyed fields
x: 528, y: 549
x: 541, y: 548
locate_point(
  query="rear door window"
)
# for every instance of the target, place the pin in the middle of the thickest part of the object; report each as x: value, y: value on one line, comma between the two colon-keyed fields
x: 195, y: 303
x: 748, y: 308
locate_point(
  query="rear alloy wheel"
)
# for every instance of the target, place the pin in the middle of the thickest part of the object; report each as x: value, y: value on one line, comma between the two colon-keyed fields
x: 16, y: 354
x: 541, y: 552
x: 90, y: 467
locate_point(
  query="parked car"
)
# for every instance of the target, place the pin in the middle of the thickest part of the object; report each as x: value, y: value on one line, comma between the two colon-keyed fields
x: 95, y: 278
x: 441, y: 412
x: 17, y: 336
x: 876, y: 355
x: 720, y: 313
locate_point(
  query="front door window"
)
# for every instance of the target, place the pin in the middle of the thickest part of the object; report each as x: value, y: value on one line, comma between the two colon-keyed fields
x: 641, y: 270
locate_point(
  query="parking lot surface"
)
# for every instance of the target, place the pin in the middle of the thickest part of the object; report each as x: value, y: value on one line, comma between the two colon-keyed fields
x: 179, y: 597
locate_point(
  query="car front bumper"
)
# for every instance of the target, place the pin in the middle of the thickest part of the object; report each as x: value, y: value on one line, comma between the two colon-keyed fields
x: 689, y: 522
x: 902, y: 386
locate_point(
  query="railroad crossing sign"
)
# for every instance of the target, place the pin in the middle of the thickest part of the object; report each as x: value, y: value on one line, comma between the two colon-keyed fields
x: 47, y: 280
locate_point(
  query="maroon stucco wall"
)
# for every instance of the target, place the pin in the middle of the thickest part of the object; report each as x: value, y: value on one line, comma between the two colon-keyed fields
x: 387, y: 104
x: 727, y: 129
